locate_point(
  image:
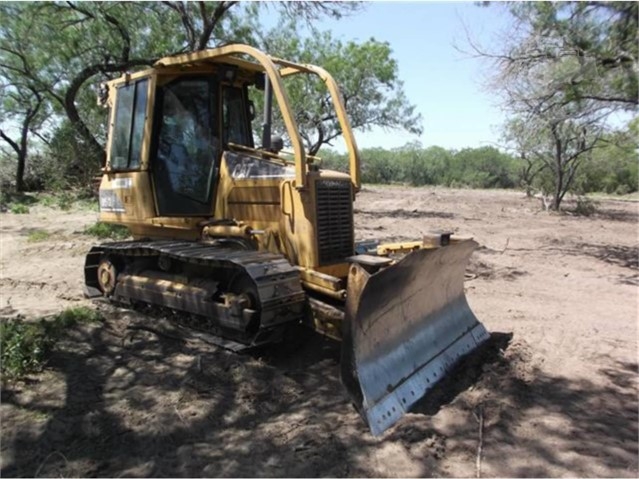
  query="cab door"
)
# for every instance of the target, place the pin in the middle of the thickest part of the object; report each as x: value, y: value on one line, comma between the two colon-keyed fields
x: 186, y: 147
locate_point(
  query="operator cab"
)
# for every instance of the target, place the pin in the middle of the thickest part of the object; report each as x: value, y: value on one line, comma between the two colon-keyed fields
x: 189, y: 137
x: 194, y: 120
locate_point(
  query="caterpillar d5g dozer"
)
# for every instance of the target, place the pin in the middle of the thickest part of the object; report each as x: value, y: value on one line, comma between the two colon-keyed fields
x: 244, y: 242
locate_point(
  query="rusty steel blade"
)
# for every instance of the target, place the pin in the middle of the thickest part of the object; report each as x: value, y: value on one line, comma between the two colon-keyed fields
x: 405, y: 328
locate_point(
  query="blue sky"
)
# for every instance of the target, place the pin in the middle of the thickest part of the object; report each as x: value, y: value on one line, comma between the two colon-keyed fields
x: 444, y: 84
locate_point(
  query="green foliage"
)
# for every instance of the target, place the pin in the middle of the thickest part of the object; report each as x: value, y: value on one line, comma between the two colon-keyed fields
x: 107, y: 231
x: 16, y: 202
x: 25, y: 346
x: 38, y: 235
x: 367, y: 75
x: 47, y: 200
x: 596, y: 43
x: 79, y: 314
x: 90, y: 203
x: 19, y: 203
x: 54, y: 54
x: 609, y: 164
x: 64, y: 167
x: 331, y: 160
x: 563, y: 71
x: 65, y: 201
x: 484, y: 167
x: 19, y: 209
x: 614, y: 166
x: 609, y: 174
x: 430, y: 166
x: 378, y: 167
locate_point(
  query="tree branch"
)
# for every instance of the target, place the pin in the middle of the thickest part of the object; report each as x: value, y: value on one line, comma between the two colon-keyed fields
x: 68, y: 103
x: 186, y: 22
x: 210, y: 24
x: 11, y: 143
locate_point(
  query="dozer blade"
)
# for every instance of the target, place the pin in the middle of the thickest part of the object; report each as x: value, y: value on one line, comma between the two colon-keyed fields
x: 405, y: 327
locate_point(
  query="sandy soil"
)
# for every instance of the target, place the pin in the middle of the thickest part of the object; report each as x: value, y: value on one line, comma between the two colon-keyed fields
x: 555, y: 391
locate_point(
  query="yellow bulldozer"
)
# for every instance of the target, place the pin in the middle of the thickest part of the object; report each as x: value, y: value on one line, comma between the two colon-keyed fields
x: 244, y: 241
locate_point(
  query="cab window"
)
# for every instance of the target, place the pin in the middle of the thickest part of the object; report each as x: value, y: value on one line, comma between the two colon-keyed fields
x: 235, y: 117
x: 128, y: 130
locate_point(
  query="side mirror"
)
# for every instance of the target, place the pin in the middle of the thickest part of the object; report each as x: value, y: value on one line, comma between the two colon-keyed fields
x: 251, y: 110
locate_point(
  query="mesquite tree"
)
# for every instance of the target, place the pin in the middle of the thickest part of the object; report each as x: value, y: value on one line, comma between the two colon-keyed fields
x: 562, y: 70
x: 62, y: 50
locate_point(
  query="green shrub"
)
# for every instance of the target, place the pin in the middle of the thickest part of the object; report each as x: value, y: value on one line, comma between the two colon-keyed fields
x: 19, y: 209
x: 333, y: 161
x: 107, y: 231
x: 38, y: 235
x: 47, y: 200
x: 79, y: 314
x: 65, y: 200
x: 25, y: 346
x: 623, y: 189
x: 585, y: 206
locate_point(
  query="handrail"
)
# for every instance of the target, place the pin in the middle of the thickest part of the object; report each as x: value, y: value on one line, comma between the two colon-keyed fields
x: 258, y: 153
x: 340, y: 109
x: 270, y: 154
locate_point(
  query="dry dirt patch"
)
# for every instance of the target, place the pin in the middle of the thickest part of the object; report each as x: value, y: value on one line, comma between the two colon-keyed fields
x: 555, y: 389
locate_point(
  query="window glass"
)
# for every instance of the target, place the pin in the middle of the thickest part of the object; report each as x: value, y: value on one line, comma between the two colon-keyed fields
x: 187, y: 148
x: 128, y: 131
x: 137, y: 130
x: 235, y: 121
x: 243, y: 166
x: 122, y: 128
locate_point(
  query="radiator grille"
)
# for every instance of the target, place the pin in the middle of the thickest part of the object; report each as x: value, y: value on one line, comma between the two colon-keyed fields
x: 334, y: 220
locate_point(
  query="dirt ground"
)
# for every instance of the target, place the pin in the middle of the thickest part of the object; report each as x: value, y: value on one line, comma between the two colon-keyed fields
x: 555, y: 391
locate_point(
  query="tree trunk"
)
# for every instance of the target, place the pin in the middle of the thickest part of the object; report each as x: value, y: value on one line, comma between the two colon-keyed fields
x: 20, y: 149
x: 559, y: 172
x: 20, y: 172
x: 22, y: 154
x: 558, y: 190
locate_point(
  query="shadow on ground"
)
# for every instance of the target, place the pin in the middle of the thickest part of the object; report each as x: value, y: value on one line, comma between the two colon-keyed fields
x: 624, y: 256
x: 121, y: 403
x: 617, y: 215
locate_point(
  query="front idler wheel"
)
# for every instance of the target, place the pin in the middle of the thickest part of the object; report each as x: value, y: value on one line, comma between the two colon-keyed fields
x: 107, y: 276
